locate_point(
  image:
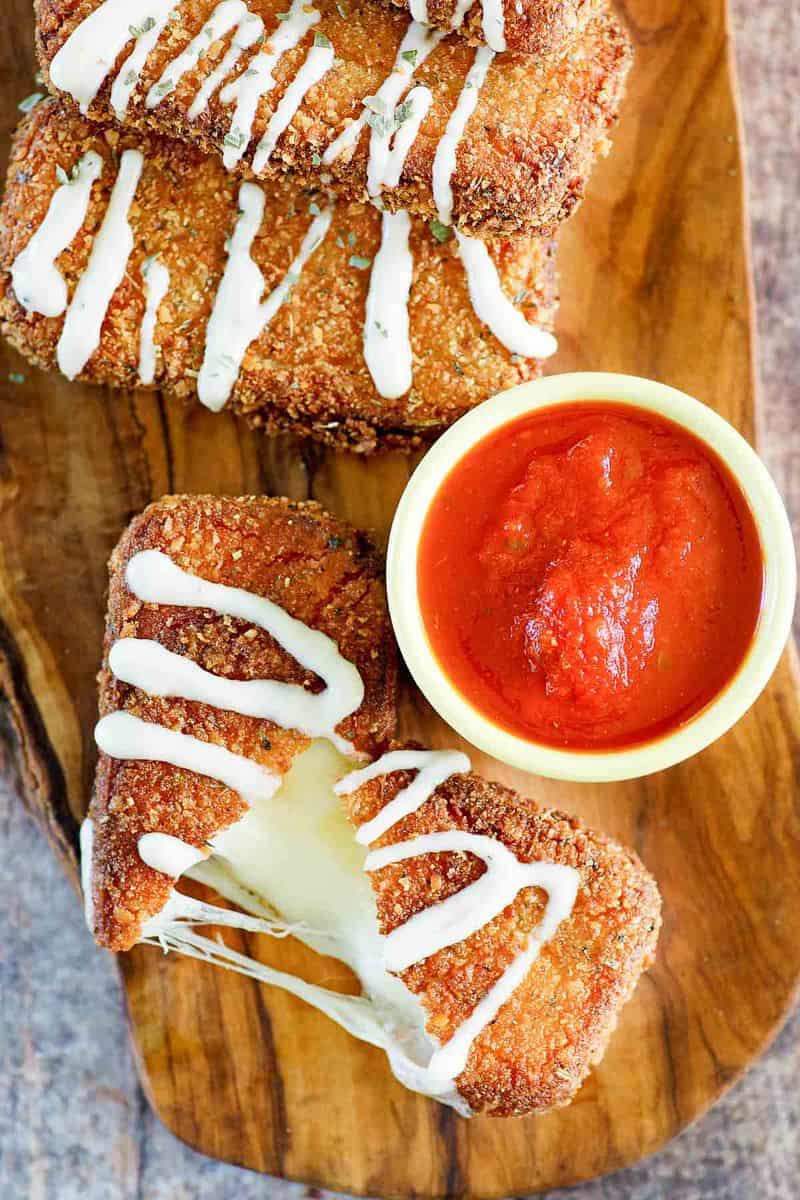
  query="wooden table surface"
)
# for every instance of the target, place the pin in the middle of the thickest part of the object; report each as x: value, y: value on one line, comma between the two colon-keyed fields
x: 73, y: 1122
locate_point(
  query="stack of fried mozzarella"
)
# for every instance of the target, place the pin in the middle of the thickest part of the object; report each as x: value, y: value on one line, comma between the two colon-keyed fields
x: 335, y: 216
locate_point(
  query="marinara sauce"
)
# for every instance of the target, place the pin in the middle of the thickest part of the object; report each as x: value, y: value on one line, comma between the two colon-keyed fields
x: 590, y: 576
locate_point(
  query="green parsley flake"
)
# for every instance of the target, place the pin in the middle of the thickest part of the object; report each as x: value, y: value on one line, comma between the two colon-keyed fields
x: 440, y: 231
x: 15, y: 377
x: 138, y: 31
x: 321, y: 40
x: 359, y: 262
x: 30, y: 102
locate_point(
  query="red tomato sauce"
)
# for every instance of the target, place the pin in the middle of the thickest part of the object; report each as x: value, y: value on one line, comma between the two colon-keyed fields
x: 590, y: 576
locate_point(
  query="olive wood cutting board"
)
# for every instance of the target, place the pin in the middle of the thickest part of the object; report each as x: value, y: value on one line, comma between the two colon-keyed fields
x: 655, y: 281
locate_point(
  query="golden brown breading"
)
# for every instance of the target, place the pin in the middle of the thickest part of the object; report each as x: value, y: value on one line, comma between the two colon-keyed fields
x: 543, y: 1042
x: 543, y: 27
x: 522, y: 163
x: 306, y: 371
x: 318, y: 569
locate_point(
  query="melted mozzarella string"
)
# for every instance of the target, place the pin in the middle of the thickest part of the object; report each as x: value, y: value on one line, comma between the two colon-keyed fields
x: 154, y: 578
x: 451, y: 921
x: 433, y: 767
x: 156, y: 285
x: 387, y: 346
x: 257, y: 80
x: 227, y: 14
x: 38, y: 284
x: 444, y: 162
x: 494, y: 308
x: 318, y: 62
x: 387, y: 157
x: 494, y: 25
x: 86, y: 837
x: 124, y: 736
x: 169, y: 854
x: 284, y: 861
x: 92, y: 49
x: 111, y: 249
x: 239, y: 316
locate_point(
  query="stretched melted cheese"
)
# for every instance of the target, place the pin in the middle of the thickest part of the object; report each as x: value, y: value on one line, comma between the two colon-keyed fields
x: 291, y: 855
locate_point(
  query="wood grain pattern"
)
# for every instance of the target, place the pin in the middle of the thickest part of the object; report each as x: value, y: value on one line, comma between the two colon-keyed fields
x: 655, y: 280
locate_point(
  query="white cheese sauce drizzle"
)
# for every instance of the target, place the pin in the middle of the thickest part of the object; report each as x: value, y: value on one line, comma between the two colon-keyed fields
x: 127, y: 77
x: 156, y: 286
x: 153, y: 577
x: 392, y: 130
x: 38, y: 284
x: 249, y: 30
x: 433, y: 767
x: 494, y: 24
x: 495, y: 309
x: 444, y: 162
x: 451, y: 921
x: 318, y: 62
x: 387, y: 346
x: 224, y: 17
x: 86, y: 838
x: 258, y: 79
x: 90, y: 52
x: 111, y: 249
x: 459, y: 13
x: 124, y: 736
x: 169, y: 854
x: 239, y: 315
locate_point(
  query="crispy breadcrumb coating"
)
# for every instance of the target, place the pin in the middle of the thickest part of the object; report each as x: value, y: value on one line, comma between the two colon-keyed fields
x: 305, y: 372
x: 543, y: 27
x: 318, y: 569
x: 546, y: 1038
x: 522, y: 163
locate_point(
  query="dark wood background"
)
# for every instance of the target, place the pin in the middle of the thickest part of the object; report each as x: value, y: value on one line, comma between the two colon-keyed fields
x: 72, y: 1123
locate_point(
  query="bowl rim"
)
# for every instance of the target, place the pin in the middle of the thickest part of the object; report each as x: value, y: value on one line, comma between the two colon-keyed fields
x: 772, y: 630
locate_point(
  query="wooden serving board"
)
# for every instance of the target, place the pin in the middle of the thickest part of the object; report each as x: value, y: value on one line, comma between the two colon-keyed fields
x: 655, y: 281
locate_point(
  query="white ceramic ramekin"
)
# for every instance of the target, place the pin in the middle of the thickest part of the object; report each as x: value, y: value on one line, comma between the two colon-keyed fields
x: 780, y: 579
